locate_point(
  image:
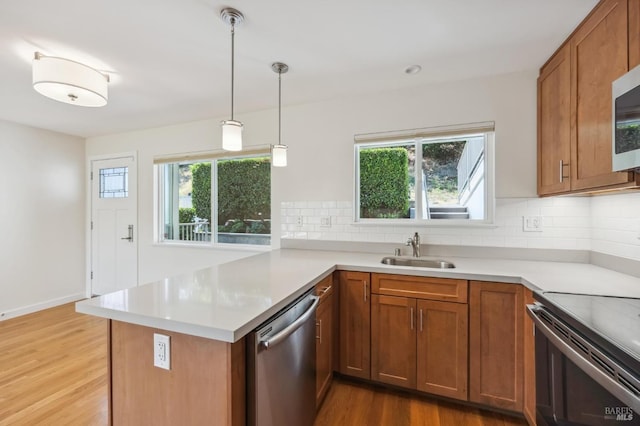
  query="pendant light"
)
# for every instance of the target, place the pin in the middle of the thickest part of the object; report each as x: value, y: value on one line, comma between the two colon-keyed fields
x: 232, y: 129
x: 279, y: 151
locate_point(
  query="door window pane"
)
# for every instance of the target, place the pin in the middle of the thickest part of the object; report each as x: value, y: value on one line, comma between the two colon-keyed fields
x: 114, y: 182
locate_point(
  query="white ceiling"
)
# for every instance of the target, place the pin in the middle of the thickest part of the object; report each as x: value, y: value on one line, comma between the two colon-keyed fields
x: 170, y: 59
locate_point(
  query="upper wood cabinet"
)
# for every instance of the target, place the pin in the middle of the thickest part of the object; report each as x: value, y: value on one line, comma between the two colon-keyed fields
x: 355, y: 323
x: 554, y: 124
x: 574, y: 101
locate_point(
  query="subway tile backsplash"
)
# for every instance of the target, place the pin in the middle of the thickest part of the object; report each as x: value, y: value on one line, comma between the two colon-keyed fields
x: 608, y: 224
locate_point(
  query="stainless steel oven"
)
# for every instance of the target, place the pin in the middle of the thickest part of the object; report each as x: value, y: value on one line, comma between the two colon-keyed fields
x: 587, y: 359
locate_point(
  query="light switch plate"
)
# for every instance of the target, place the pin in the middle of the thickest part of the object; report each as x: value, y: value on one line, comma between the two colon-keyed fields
x: 162, y: 351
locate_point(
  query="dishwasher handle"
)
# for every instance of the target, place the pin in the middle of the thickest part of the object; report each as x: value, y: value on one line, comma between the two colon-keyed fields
x: 288, y: 330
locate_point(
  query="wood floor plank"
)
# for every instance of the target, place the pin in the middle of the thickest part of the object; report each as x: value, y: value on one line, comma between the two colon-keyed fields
x: 349, y: 403
x: 53, y: 369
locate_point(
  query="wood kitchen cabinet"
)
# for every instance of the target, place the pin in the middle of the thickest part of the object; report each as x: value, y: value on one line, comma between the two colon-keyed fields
x: 416, y: 342
x: 496, y: 353
x: 324, y: 338
x: 393, y: 340
x: 355, y: 319
x: 554, y: 124
x: 443, y: 348
x: 574, y: 101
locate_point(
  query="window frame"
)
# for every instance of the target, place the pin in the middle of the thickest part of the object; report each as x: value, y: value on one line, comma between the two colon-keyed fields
x: 159, y: 196
x: 420, y: 136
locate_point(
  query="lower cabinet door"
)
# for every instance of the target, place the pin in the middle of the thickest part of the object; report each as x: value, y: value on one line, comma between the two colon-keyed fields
x: 496, y: 345
x: 442, y: 348
x: 324, y: 347
x: 393, y: 340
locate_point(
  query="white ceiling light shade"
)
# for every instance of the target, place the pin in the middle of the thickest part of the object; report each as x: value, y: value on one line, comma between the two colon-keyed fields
x: 69, y: 81
x: 232, y: 129
x: 279, y: 151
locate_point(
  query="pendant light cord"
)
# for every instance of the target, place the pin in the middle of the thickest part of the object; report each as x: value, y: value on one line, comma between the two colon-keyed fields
x: 233, y: 33
x: 280, y: 108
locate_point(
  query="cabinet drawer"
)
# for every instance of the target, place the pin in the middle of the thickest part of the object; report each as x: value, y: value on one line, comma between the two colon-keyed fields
x: 446, y: 289
x: 325, y: 288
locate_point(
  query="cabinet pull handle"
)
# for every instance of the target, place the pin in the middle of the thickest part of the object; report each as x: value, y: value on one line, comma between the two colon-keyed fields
x: 562, y: 176
x: 326, y: 289
x: 365, y: 290
x: 420, y: 319
x: 411, y: 319
x: 319, y: 335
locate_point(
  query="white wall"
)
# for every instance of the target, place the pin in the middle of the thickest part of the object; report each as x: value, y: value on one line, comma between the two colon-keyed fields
x: 320, y: 175
x: 42, y: 249
x: 320, y: 139
x: 615, y: 225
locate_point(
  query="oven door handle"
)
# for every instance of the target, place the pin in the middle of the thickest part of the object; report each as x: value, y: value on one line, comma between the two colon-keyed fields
x: 288, y: 330
x: 616, y: 389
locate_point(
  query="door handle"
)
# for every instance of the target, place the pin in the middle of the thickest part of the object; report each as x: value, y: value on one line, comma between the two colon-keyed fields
x: 288, y: 330
x: 562, y: 176
x: 130, y: 237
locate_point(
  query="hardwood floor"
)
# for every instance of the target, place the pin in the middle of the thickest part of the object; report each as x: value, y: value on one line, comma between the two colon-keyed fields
x: 53, y: 369
x: 53, y: 372
x: 349, y: 403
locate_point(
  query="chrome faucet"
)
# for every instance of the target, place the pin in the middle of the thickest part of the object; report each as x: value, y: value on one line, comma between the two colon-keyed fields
x: 414, y: 242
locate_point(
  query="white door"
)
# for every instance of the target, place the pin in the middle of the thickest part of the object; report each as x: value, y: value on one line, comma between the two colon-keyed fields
x: 114, y: 226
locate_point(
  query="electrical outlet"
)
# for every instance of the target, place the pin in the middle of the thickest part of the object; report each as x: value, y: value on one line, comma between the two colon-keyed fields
x: 532, y: 223
x: 299, y: 220
x: 161, y: 351
x: 325, y: 221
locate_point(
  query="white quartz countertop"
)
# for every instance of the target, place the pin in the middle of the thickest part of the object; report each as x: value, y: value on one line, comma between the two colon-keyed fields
x: 227, y: 301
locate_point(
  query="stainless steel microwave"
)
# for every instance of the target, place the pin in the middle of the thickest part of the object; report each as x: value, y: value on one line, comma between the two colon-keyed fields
x: 626, y: 122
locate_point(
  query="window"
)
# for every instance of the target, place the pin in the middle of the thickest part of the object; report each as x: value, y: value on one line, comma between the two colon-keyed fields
x: 114, y: 182
x: 225, y: 200
x: 441, y: 175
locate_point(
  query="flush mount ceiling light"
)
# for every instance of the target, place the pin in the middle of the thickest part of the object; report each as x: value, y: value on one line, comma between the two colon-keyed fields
x: 232, y: 129
x: 279, y: 151
x: 69, y: 81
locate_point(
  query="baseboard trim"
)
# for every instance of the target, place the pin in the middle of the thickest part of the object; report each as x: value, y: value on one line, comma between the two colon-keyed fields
x: 29, y: 309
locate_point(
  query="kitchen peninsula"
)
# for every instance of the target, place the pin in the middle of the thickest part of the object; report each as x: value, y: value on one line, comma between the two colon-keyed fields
x: 207, y: 314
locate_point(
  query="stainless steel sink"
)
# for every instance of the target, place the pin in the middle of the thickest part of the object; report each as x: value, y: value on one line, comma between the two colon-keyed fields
x: 420, y: 263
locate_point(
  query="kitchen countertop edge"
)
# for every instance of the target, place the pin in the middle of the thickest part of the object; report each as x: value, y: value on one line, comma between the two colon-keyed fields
x: 535, y: 275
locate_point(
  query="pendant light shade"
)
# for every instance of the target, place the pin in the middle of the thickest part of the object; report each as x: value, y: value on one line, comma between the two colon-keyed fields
x: 279, y: 151
x: 279, y: 155
x: 232, y: 129
x: 69, y: 81
x: 232, y: 135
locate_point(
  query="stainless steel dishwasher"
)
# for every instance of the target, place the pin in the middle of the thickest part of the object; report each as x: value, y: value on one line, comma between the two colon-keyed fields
x: 281, y: 367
